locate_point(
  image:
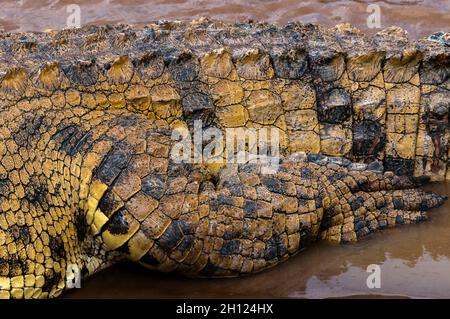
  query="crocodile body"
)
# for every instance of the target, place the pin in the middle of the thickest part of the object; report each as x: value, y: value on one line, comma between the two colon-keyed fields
x: 86, y: 176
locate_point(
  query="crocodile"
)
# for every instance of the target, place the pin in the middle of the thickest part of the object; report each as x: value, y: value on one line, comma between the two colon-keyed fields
x: 86, y: 127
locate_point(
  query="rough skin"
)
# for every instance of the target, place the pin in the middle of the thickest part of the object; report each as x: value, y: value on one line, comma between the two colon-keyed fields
x: 85, y: 119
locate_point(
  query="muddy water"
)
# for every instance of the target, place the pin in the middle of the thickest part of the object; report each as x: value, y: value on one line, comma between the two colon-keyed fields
x: 414, y: 262
x: 419, y: 17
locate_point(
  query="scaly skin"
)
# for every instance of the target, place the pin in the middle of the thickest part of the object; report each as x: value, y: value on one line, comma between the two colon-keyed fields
x: 85, y: 173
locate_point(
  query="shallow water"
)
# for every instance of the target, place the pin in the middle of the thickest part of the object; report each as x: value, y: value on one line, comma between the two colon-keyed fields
x: 420, y: 17
x: 414, y: 261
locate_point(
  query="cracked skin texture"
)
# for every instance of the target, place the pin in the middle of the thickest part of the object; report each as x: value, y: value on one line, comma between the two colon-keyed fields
x: 85, y: 119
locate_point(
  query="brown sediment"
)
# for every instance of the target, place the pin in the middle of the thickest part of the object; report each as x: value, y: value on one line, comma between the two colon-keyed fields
x: 420, y: 18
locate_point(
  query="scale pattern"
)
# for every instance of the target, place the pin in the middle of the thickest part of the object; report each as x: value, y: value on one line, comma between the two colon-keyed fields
x: 85, y: 122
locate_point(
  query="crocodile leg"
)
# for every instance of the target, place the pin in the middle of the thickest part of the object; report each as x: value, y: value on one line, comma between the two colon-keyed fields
x: 361, y: 202
x: 175, y: 217
x: 245, y: 221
